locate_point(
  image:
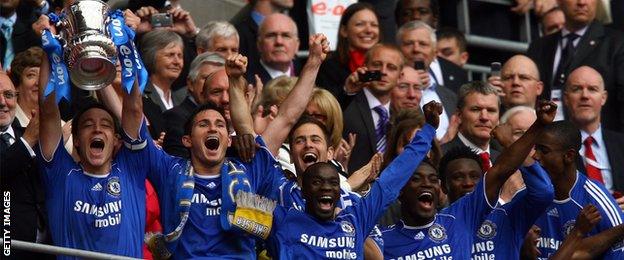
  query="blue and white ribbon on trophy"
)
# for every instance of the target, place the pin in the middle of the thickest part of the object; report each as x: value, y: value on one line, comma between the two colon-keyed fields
x: 131, y: 64
x: 59, y: 77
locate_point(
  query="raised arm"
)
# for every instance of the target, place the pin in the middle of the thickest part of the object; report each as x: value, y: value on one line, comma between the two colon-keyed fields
x: 132, y: 112
x: 109, y: 98
x: 515, y: 154
x: 50, y: 131
x: 235, y: 68
x: 297, y: 100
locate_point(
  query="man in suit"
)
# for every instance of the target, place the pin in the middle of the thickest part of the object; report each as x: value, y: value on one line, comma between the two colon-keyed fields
x: 200, y: 88
x: 247, y: 27
x: 368, y: 114
x: 219, y: 37
x: 583, y: 41
x: 519, y: 82
x: 19, y: 174
x: 602, y: 150
x: 452, y: 45
x: 16, y: 34
x: 478, y: 111
x: 277, y: 44
x: 417, y: 41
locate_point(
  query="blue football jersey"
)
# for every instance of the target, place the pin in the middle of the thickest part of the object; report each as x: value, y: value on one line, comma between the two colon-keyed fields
x: 502, y: 234
x: 203, y: 235
x: 560, y: 217
x: 91, y: 212
x: 448, y: 236
x: 298, y: 235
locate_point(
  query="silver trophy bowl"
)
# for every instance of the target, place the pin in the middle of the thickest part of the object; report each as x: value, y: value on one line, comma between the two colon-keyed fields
x: 88, y: 49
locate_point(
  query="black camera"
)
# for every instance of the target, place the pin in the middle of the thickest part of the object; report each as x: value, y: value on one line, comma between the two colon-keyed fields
x: 162, y: 20
x: 373, y: 75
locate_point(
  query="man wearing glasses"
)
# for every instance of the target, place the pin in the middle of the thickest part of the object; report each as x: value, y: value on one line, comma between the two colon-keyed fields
x: 519, y: 83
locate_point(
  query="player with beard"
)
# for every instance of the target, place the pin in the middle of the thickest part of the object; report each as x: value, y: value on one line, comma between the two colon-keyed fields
x: 423, y: 233
x: 503, y: 232
x: 557, y: 150
x: 322, y: 232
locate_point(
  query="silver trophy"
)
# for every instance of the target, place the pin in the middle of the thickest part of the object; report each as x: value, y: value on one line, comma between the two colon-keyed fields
x: 88, y: 48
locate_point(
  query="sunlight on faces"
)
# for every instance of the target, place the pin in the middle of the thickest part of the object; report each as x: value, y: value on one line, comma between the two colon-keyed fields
x: 362, y: 30
x: 387, y: 61
x: 209, y: 138
x: 584, y: 95
x: 169, y: 61
x: 408, y: 92
x: 216, y: 91
x: 96, y: 140
x: 321, y: 190
x: 224, y: 46
x: 520, y: 82
x: 7, y: 106
x: 277, y: 40
x: 479, y: 116
x: 449, y: 49
x: 416, y: 45
x: 29, y: 85
x: 420, y: 195
x: 309, y: 146
x: 462, y: 175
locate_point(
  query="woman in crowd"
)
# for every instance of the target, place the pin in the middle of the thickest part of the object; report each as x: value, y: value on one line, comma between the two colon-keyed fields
x: 358, y: 32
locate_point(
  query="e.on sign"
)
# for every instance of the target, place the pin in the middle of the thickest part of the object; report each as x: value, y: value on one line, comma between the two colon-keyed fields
x: 324, y: 17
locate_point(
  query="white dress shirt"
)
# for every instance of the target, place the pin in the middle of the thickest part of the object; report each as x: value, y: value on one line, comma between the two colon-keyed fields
x: 273, y: 72
x: 561, y: 45
x: 430, y: 94
x: 599, y: 149
x: 12, y: 140
x: 167, y: 101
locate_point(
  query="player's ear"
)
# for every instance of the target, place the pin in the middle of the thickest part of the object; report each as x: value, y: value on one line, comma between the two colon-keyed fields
x: 186, y: 141
x: 569, y: 157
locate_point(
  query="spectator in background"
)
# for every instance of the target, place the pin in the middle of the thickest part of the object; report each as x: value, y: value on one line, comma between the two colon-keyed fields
x: 408, y: 92
x: 219, y: 37
x: 602, y: 150
x: 16, y: 34
x: 427, y: 11
x: 552, y: 21
x: 519, y: 83
x: 251, y: 18
x: 277, y: 44
x: 369, y: 113
x: 161, y: 51
x: 25, y: 76
x: 592, y: 44
x: 439, y: 77
x: 452, y: 45
x: 202, y: 69
x: 478, y: 111
x: 358, y: 32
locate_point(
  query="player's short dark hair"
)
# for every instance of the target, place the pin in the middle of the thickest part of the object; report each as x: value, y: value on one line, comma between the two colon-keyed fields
x: 306, y: 119
x: 452, y: 33
x: 92, y: 104
x: 315, y: 168
x: 458, y: 152
x: 188, y: 125
x: 566, y: 134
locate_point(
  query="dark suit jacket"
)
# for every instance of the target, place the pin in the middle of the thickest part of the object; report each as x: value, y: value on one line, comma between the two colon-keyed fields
x: 175, y: 119
x: 495, y: 147
x: 256, y: 68
x: 359, y: 120
x: 20, y: 177
x: 248, y: 34
x: 332, y: 76
x: 601, y: 48
x: 454, y: 76
x: 614, y: 143
x: 153, y: 108
x: 448, y: 98
x: 23, y: 37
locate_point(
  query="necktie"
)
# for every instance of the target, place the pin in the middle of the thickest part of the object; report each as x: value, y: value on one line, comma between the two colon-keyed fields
x: 7, y: 30
x: 485, y: 161
x: 380, y: 129
x: 566, y: 56
x: 6, y: 139
x: 593, y: 172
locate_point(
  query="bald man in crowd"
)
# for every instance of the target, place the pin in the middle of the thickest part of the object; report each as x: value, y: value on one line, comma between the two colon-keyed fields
x: 277, y: 43
x: 408, y: 92
x: 602, y: 150
x: 519, y: 83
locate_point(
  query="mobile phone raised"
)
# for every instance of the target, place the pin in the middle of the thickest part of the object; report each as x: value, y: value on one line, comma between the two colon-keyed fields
x: 162, y: 20
x: 373, y: 75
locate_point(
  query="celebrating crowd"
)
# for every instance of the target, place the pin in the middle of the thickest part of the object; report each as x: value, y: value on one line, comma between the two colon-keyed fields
x: 230, y: 146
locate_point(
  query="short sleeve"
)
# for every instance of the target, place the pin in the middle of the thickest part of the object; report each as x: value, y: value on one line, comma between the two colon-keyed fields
x: 58, y: 167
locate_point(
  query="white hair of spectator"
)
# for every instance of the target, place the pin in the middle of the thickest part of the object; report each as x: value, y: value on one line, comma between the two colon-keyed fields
x: 515, y: 110
x: 206, y: 57
x: 212, y: 30
x: 413, y: 25
x: 154, y: 41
